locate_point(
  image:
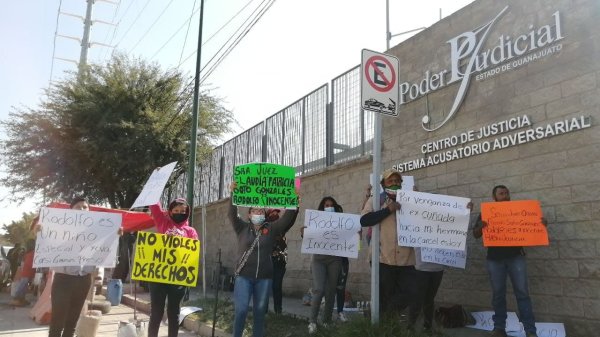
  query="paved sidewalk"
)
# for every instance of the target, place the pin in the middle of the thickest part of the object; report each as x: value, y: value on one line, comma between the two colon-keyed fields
x: 15, y: 321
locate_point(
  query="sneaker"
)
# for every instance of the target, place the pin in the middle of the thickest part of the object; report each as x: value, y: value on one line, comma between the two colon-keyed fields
x: 342, y: 317
x: 498, y: 333
x: 312, y: 328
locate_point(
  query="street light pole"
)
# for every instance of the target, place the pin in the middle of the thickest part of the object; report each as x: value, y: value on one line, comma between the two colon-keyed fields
x: 195, y: 108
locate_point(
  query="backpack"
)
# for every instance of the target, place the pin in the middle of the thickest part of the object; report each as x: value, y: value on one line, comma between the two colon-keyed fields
x: 453, y: 317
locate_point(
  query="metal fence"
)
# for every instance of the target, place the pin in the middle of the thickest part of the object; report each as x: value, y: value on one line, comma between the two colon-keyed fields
x: 323, y: 128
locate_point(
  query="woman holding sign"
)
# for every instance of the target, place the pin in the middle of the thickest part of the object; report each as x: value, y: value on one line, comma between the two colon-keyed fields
x: 173, y: 222
x: 326, y: 271
x: 254, y: 270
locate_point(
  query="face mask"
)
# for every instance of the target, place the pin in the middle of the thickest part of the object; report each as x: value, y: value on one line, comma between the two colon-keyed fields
x: 179, y: 217
x: 257, y: 219
x: 392, y: 189
x: 329, y: 209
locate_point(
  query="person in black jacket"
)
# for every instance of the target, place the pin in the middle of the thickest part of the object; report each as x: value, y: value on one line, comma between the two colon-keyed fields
x: 254, y: 269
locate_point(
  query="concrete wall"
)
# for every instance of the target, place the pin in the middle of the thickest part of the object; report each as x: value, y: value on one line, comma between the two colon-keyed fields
x: 561, y: 171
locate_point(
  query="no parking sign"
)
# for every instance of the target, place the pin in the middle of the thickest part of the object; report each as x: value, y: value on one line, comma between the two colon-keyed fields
x: 379, y: 79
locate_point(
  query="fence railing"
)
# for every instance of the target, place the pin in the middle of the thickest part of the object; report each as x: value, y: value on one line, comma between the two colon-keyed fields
x: 323, y: 128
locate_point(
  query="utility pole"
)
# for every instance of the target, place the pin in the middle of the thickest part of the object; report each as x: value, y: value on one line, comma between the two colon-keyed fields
x: 85, y: 41
x: 194, y: 133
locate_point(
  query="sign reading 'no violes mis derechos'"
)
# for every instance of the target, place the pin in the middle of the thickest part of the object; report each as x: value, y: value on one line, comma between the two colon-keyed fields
x: 379, y: 82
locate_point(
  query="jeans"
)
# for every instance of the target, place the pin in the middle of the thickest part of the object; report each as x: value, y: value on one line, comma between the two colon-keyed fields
x: 516, y: 269
x: 159, y: 293
x: 245, y: 288
x: 278, y: 273
x: 397, y: 288
x: 22, y: 285
x: 68, y: 295
x: 340, y: 292
x: 428, y: 283
x: 325, y: 273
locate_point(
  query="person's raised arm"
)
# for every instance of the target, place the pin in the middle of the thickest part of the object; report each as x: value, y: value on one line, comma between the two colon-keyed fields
x: 285, y: 222
x: 161, y: 220
x: 371, y: 218
x: 235, y: 220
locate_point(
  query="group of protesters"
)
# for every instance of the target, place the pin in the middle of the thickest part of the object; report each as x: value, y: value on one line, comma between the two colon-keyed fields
x: 405, y: 281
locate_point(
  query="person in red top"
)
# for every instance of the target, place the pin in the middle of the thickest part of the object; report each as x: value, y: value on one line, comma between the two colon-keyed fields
x: 173, y: 222
x: 26, y: 275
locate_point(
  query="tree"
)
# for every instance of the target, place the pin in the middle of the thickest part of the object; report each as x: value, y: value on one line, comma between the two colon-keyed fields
x: 18, y: 231
x: 102, y: 133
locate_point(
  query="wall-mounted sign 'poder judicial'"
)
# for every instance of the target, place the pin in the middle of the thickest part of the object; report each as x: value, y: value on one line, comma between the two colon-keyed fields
x: 469, y: 58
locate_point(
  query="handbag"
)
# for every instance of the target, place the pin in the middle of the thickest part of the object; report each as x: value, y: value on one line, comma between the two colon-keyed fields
x: 453, y: 317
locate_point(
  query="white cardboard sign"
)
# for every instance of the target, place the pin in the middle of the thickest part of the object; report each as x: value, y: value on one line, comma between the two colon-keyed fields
x: 484, y: 321
x: 447, y: 257
x: 76, y: 238
x: 330, y: 233
x: 154, y: 187
x: 432, y: 220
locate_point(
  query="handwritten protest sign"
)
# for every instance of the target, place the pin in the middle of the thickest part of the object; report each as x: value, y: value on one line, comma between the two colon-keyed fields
x: 543, y: 330
x: 432, y: 220
x: 166, y: 259
x: 330, y: 233
x: 154, y: 187
x: 76, y: 238
x: 513, y: 223
x: 447, y: 257
x: 484, y: 321
x: 265, y: 185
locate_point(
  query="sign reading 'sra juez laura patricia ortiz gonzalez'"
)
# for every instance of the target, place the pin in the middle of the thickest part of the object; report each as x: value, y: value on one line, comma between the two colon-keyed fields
x: 265, y: 185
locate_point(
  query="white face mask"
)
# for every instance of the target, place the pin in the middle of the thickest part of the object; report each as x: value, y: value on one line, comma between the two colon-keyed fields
x: 257, y: 219
x: 329, y: 209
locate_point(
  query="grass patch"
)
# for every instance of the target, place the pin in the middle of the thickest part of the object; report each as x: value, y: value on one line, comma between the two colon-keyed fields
x: 289, y: 326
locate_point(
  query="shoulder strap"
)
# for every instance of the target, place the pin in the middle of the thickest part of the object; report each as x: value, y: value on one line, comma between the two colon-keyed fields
x: 247, y: 253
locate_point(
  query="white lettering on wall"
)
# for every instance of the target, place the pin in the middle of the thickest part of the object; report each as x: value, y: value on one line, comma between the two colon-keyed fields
x: 468, y: 58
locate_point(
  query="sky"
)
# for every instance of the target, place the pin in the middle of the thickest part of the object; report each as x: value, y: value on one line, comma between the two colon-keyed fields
x: 294, y: 48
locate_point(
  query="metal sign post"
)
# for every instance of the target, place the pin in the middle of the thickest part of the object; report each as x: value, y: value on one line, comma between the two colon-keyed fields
x: 379, y: 93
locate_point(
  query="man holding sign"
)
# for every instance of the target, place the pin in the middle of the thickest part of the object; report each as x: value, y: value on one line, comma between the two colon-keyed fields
x: 397, y: 263
x: 503, y: 260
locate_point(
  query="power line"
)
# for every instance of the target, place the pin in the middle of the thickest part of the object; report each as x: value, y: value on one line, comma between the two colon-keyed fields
x: 215, y: 33
x: 118, y: 24
x: 187, y: 31
x: 114, y: 29
x: 133, y: 23
x: 175, y: 33
x: 54, y: 43
x: 151, y: 26
x: 236, y: 41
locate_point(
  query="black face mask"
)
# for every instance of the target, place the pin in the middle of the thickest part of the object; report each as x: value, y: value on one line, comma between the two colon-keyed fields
x: 179, y: 217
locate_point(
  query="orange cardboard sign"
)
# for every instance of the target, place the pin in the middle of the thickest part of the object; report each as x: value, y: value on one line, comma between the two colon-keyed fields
x: 513, y: 223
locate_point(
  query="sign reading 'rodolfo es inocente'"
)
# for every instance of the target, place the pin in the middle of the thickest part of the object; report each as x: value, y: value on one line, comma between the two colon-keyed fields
x: 468, y: 57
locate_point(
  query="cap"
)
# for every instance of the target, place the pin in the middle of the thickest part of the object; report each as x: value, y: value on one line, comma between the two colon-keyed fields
x: 389, y: 172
